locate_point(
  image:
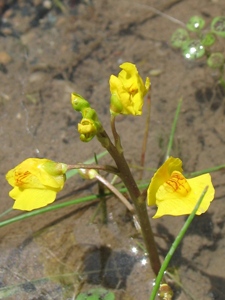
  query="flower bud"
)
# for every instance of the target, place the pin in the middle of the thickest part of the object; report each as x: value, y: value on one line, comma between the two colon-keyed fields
x: 87, y: 129
x: 88, y: 173
x: 78, y: 102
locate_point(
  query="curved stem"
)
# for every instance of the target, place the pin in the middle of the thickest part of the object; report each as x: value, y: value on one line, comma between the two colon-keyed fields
x: 115, y: 192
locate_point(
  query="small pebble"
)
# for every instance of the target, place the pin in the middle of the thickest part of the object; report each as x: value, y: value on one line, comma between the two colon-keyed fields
x: 5, y: 58
x: 18, y: 116
x: 6, y: 31
x: 37, y: 2
x: 155, y: 72
x: 47, y: 4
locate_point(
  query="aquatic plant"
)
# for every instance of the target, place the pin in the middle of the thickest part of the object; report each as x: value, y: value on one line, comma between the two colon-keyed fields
x: 195, y: 41
x: 36, y: 182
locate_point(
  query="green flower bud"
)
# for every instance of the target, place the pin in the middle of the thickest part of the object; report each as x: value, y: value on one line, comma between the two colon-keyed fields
x: 78, y: 102
x: 90, y: 124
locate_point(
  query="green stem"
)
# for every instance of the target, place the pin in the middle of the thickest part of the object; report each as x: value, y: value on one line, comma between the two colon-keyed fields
x: 138, y: 199
x: 145, y: 139
x: 116, y: 135
x: 106, y: 168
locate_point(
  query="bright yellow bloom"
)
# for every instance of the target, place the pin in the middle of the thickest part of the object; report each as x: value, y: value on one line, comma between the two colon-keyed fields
x: 127, y: 91
x: 174, y: 194
x: 36, y: 182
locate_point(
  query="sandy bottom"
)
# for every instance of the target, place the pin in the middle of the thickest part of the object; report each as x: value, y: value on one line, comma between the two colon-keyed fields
x: 47, y: 52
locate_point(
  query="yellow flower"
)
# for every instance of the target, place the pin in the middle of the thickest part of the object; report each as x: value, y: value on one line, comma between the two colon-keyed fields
x: 174, y: 194
x: 35, y: 182
x: 127, y: 91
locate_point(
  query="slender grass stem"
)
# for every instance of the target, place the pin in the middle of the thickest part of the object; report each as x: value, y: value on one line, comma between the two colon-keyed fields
x: 175, y: 245
x: 45, y: 209
x: 174, y: 125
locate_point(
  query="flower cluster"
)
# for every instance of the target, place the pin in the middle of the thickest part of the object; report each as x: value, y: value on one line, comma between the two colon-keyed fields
x: 127, y: 91
x: 90, y: 124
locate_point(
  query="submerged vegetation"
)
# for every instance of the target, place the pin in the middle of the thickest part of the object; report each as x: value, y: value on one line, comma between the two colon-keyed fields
x: 195, y: 41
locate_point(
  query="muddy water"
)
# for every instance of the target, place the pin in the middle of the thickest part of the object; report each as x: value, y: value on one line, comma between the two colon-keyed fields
x: 54, y: 51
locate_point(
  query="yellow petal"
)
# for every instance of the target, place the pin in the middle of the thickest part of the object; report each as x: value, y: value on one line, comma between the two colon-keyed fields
x: 177, y: 202
x: 115, y: 84
x: 197, y: 185
x: 162, y: 175
x: 128, y: 70
x: 177, y: 183
x: 23, y: 178
x: 32, y: 173
x: 30, y: 199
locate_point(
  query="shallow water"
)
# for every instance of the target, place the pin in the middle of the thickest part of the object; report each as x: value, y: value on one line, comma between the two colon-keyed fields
x: 53, y: 53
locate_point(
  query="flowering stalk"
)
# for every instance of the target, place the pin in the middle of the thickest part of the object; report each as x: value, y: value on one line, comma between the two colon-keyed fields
x: 138, y: 199
x: 127, y: 93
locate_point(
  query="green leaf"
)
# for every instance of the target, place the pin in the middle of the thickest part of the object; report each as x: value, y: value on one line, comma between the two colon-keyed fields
x: 208, y: 39
x: 193, y: 49
x: 179, y: 37
x: 195, y: 23
x: 96, y: 294
x: 215, y: 60
x: 218, y: 26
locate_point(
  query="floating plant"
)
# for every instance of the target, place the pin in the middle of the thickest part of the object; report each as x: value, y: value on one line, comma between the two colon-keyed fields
x: 195, y: 41
x: 218, y: 26
x: 193, y: 49
x: 195, y: 24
